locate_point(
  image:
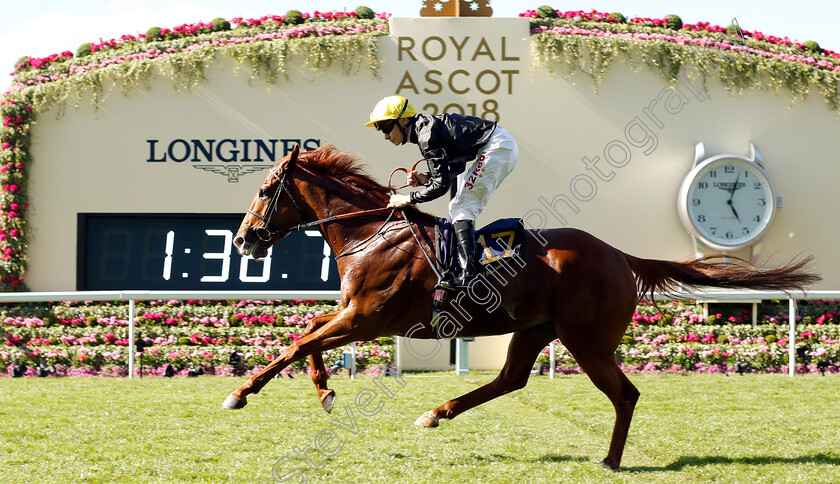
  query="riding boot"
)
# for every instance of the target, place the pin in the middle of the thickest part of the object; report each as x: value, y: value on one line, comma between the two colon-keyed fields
x: 465, y: 238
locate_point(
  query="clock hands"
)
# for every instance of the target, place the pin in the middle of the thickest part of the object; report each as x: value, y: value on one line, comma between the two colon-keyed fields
x: 732, y: 194
x: 729, y: 202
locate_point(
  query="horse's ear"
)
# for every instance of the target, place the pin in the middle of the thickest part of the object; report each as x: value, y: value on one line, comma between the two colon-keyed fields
x: 286, y: 165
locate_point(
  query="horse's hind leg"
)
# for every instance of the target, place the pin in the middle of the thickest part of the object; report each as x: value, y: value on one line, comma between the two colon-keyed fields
x: 523, y: 350
x: 608, y: 377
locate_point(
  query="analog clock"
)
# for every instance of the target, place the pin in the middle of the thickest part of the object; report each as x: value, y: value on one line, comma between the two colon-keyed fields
x: 727, y: 201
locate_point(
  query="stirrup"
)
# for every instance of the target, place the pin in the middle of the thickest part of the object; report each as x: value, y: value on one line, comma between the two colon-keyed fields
x: 446, y: 285
x: 457, y: 283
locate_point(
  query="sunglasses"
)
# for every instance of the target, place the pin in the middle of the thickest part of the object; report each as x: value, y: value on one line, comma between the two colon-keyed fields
x: 385, y: 126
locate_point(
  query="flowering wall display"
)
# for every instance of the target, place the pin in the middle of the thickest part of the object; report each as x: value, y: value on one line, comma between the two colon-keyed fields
x: 91, y: 339
x: 202, y: 335
x: 585, y: 42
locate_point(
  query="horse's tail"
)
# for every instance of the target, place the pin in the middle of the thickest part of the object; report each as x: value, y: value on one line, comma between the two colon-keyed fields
x: 718, y: 271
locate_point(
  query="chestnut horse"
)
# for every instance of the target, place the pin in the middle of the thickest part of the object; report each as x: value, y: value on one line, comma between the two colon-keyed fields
x: 565, y: 284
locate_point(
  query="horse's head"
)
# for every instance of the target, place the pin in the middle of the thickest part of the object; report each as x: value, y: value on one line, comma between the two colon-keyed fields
x: 273, y: 211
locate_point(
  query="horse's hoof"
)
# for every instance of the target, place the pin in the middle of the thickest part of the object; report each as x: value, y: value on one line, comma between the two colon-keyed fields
x: 428, y: 419
x: 233, y: 403
x: 609, y: 464
x: 328, y: 401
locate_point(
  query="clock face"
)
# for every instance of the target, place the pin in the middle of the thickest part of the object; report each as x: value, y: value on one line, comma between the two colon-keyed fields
x: 727, y: 202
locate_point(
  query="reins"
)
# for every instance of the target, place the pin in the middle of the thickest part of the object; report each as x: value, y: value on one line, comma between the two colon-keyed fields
x: 423, y: 249
x: 408, y: 222
x: 406, y: 170
x: 265, y: 234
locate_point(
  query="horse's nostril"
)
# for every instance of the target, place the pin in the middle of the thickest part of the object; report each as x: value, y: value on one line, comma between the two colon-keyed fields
x: 238, y: 241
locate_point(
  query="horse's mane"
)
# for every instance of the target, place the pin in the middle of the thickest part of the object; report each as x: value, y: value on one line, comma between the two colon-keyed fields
x: 344, y: 167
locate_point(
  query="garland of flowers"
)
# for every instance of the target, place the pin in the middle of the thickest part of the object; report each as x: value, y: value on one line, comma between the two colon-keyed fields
x: 14, y: 160
x: 590, y: 42
x: 182, y: 54
x: 92, y: 338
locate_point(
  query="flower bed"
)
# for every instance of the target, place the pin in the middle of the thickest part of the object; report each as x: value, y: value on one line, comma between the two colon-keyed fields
x: 679, y: 339
x: 91, y: 339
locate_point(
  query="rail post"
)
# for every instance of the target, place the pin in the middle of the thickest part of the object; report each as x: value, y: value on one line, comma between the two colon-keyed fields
x: 131, y: 311
x: 398, y: 355
x: 552, y: 359
x: 792, y: 337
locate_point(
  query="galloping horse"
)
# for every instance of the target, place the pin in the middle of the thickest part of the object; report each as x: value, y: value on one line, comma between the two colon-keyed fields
x: 569, y: 285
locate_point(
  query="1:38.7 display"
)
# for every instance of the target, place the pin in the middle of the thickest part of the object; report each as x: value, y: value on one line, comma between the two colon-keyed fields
x: 193, y: 251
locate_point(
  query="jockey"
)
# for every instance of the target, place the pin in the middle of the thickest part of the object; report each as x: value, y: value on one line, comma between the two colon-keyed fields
x: 448, y: 142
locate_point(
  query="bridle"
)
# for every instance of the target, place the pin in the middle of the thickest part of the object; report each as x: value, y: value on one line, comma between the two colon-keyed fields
x: 265, y: 233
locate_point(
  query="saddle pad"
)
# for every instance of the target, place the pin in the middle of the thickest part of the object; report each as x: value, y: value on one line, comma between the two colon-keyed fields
x: 498, y: 240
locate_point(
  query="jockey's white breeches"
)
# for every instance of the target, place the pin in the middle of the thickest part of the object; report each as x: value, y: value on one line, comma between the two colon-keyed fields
x: 483, y: 177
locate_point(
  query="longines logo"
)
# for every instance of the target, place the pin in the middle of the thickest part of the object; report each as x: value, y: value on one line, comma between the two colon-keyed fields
x: 729, y: 186
x: 229, y: 157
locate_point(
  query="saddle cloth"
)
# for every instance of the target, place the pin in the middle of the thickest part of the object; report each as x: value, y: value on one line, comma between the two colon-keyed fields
x: 498, y: 240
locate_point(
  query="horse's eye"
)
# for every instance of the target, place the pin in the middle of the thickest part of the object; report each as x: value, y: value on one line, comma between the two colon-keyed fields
x: 263, y: 192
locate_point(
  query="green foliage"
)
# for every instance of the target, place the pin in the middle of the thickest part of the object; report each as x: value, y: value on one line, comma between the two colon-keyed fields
x: 293, y: 17
x: 546, y: 12
x: 220, y: 25
x: 733, y: 30
x: 154, y: 34
x: 83, y: 50
x: 363, y: 12
x: 619, y: 17
x: 22, y: 60
x: 812, y: 46
x: 674, y: 22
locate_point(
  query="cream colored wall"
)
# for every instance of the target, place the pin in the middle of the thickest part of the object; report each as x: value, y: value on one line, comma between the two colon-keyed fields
x: 95, y: 161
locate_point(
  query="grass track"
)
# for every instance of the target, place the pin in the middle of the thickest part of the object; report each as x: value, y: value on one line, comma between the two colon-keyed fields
x: 698, y: 428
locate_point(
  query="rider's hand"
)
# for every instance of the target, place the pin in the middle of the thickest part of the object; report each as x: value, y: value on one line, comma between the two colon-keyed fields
x: 415, y: 179
x: 411, y: 179
x: 399, y: 200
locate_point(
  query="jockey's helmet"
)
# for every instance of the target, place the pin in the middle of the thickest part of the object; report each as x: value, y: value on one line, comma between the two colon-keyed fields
x: 391, y: 107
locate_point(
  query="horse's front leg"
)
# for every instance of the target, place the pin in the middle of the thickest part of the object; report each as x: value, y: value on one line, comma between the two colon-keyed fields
x: 318, y: 370
x: 340, y: 331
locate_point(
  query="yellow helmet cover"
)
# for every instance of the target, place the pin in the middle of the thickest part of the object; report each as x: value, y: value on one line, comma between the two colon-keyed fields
x: 391, y: 107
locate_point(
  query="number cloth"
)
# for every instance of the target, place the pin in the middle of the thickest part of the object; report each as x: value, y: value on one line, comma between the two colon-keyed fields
x: 498, y: 240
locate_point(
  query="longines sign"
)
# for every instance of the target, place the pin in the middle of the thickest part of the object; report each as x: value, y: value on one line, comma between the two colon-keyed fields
x: 229, y: 157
